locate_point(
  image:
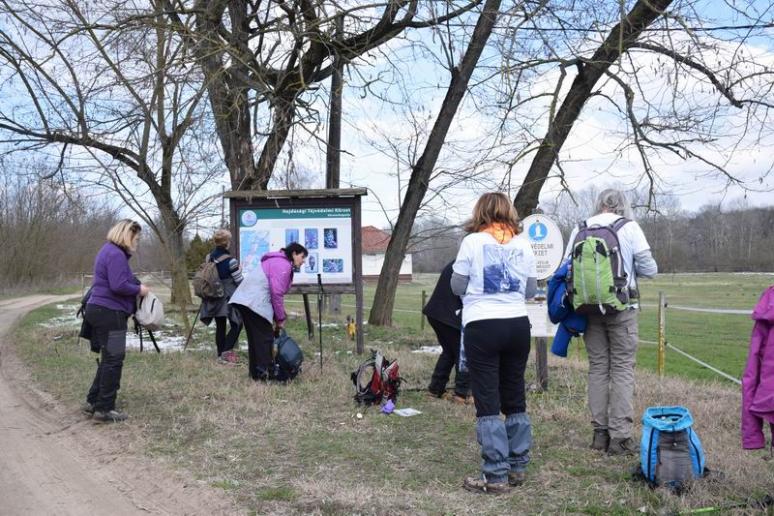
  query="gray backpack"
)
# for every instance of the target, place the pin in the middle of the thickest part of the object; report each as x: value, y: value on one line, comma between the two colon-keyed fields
x: 206, y: 281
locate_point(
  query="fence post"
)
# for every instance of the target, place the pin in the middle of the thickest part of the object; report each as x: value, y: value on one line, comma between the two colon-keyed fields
x: 422, y: 316
x: 661, y: 333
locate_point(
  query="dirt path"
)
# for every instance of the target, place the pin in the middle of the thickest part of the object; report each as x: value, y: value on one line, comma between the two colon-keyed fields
x: 58, y: 462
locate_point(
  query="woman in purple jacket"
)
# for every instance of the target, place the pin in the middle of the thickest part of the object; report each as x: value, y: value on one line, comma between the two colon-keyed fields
x: 112, y: 300
x: 260, y: 301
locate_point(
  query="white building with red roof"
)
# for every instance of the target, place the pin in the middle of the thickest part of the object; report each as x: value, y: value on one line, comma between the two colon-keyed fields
x: 374, y: 246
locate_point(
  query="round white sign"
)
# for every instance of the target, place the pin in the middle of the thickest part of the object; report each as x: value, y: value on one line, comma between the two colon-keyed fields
x: 547, y: 243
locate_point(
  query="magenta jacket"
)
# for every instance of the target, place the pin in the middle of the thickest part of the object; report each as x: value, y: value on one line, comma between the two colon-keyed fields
x: 758, y: 379
x: 279, y: 272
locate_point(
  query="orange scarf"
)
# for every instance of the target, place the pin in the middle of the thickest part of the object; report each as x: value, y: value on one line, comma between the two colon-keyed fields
x: 499, y: 231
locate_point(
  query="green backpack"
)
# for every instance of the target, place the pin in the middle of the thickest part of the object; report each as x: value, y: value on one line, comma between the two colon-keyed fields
x: 597, y: 283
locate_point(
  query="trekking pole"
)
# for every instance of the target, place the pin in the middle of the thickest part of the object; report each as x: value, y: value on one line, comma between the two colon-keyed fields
x: 190, y: 332
x: 153, y: 340
x: 319, y: 314
x: 138, y: 331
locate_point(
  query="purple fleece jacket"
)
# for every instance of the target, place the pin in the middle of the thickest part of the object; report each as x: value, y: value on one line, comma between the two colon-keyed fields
x: 114, y: 285
x: 758, y: 379
x: 279, y: 272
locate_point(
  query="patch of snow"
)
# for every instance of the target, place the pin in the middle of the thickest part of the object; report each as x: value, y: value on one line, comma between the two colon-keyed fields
x: 430, y: 350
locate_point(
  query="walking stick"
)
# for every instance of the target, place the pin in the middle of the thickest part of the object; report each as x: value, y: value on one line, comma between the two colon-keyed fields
x: 190, y: 332
x: 153, y: 339
x: 319, y: 314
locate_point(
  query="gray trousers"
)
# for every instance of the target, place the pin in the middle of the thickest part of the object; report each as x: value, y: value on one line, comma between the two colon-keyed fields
x: 611, y: 345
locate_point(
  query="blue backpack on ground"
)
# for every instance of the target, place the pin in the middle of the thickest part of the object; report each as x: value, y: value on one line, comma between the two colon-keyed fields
x: 670, y: 451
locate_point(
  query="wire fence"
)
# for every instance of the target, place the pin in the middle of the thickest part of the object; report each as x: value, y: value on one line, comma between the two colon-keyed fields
x: 663, y: 344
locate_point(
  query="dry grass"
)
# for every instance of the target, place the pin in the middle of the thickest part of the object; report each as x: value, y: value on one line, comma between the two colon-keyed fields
x: 300, y: 449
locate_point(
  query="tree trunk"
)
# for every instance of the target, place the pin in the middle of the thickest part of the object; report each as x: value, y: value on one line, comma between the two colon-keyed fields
x: 618, y: 41
x: 284, y: 111
x: 174, y: 244
x: 228, y: 97
x: 384, y: 298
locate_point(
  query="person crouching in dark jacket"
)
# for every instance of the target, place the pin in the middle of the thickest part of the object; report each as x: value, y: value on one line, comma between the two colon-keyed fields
x: 443, y: 313
x: 113, y: 298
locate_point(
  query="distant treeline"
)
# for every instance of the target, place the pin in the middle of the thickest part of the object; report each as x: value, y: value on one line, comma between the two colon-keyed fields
x: 710, y: 240
x: 713, y: 240
x: 50, y: 235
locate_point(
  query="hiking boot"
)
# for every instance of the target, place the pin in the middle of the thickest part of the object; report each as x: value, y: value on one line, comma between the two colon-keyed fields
x: 480, y: 485
x: 435, y: 396
x: 516, y: 478
x: 111, y: 416
x: 87, y: 408
x: 601, y: 440
x: 621, y: 446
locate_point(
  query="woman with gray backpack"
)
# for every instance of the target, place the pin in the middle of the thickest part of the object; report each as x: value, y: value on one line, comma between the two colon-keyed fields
x: 229, y: 277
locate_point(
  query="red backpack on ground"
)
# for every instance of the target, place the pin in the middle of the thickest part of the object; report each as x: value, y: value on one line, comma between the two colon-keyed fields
x: 376, y: 380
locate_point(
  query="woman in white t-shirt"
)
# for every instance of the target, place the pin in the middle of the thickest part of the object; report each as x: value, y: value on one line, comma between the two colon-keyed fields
x: 493, y: 274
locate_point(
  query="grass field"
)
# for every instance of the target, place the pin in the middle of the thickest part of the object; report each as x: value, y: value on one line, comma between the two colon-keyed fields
x: 300, y: 449
x: 719, y: 339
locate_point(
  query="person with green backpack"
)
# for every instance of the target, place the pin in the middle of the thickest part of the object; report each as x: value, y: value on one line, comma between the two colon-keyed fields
x: 608, y: 252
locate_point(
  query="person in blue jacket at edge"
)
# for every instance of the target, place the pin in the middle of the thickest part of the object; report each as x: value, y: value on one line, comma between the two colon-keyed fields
x: 560, y: 312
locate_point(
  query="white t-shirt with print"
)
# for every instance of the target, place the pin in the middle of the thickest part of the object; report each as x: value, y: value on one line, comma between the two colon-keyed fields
x: 497, y: 276
x: 630, y: 237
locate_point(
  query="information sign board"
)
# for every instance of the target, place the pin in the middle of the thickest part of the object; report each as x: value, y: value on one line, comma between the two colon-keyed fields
x: 547, y: 243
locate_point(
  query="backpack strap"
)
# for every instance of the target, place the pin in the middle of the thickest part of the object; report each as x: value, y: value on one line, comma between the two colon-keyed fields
x: 618, y: 224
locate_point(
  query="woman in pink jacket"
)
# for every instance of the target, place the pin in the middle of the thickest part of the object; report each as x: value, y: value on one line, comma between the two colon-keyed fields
x: 259, y: 299
x: 758, y: 379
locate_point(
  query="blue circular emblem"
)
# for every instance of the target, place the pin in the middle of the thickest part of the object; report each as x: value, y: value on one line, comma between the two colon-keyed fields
x: 249, y: 218
x: 538, y: 231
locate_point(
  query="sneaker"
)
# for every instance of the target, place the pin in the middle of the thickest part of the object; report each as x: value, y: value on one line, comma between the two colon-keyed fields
x: 480, y: 485
x: 111, y: 416
x: 516, y: 478
x: 228, y: 358
x: 621, y: 446
x: 87, y: 408
x: 601, y: 440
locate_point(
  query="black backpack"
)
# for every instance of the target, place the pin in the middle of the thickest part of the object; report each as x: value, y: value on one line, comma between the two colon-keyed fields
x: 288, y: 357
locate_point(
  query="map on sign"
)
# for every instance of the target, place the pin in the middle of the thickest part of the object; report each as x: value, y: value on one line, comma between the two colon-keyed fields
x: 326, y: 232
x: 253, y: 245
x: 546, y: 241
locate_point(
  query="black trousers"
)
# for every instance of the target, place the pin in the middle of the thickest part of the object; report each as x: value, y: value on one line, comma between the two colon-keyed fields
x: 226, y: 341
x: 109, y: 335
x: 497, y: 351
x: 449, y: 339
x: 260, y: 337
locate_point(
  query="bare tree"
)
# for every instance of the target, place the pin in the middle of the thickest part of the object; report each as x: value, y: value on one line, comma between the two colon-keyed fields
x: 111, y: 86
x: 671, y: 39
x: 384, y: 298
x: 264, y: 61
x: 39, y: 221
